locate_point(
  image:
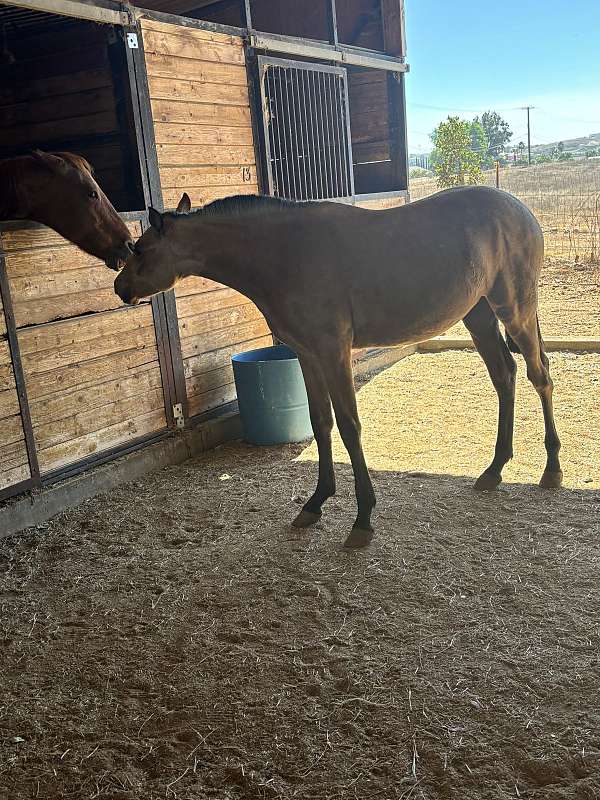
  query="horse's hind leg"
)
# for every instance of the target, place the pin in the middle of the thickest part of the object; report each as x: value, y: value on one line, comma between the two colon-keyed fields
x: 321, y: 420
x: 525, y: 332
x: 483, y: 327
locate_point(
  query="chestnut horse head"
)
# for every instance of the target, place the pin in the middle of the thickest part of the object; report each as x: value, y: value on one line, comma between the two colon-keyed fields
x: 59, y: 190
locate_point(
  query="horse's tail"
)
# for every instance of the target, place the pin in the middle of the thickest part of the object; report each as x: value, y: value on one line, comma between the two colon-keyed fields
x: 514, y: 347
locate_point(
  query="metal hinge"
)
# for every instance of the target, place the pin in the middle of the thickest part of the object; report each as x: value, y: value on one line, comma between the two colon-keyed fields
x: 132, y: 41
x: 178, y: 415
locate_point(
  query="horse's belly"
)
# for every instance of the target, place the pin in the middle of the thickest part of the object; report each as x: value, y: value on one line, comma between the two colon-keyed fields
x: 409, y: 323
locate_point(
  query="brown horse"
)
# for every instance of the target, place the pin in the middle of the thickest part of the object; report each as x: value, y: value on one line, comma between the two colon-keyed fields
x: 59, y: 190
x: 329, y: 277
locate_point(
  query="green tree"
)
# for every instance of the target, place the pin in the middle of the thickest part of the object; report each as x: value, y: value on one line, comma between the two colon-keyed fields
x: 498, y: 133
x: 454, y: 161
x: 480, y: 144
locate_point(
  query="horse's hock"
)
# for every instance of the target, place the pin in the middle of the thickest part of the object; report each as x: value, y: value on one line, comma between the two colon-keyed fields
x: 159, y: 106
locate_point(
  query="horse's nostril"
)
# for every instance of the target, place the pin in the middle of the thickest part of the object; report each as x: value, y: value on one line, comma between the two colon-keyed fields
x: 130, y: 245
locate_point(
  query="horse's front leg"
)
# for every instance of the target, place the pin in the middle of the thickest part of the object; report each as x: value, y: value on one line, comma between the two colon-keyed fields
x: 322, y: 422
x: 337, y: 366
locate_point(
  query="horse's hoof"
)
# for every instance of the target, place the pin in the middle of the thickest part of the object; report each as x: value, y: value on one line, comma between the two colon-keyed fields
x: 551, y: 480
x: 487, y: 481
x: 306, y: 518
x: 358, y: 538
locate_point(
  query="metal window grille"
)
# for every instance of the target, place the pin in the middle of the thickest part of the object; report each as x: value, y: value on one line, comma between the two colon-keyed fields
x: 307, y: 130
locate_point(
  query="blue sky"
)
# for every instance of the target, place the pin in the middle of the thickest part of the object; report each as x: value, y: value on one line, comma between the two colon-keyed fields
x: 467, y: 57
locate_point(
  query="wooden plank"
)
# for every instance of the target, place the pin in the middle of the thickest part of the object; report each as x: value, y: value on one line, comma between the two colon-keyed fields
x: 219, y: 318
x: 9, y: 404
x: 88, y: 421
x: 215, y: 359
x: 120, y: 434
x: 170, y: 44
x: 191, y: 91
x: 381, y: 203
x: 80, y: 331
x: 184, y: 113
x: 208, y: 176
x: 195, y: 155
x: 207, y: 381
x: 5, y: 356
x: 33, y: 262
x: 164, y: 66
x: 208, y: 301
x: 371, y: 152
x: 58, y: 107
x: 200, y: 404
x: 30, y: 238
x: 103, y: 122
x: 13, y: 476
x: 51, y: 309
x: 13, y: 455
x: 57, y: 284
x: 171, y: 133
x: 19, y: 91
x: 7, y: 377
x: 71, y: 8
x: 224, y: 337
x: 12, y: 430
x: 91, y: 374
x: 68, y: 403
x: 34, y: 364
x: 201, y: 196
x: 193, y: 34
x: 194, y: 285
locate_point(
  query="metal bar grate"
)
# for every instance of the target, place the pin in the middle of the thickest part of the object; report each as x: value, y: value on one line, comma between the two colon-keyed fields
x: 305, y: 115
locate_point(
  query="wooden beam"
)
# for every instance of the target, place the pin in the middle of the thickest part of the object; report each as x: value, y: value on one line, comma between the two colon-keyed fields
x: 72, y: 8
x: 290, y: 46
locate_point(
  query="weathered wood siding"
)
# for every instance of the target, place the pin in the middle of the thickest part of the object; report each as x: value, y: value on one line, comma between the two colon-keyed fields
x: 200, y: 105
x: 14, y: 465
x: 93, y: 379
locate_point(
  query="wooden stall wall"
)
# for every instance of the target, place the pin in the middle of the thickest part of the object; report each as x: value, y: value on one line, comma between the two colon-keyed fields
x: 200, y: 105
x: 14, y: 464
x: 93, y: 380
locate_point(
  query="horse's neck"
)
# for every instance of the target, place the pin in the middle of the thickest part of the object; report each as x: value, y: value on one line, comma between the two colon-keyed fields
x: 12, y: 205
x: 235, y: 253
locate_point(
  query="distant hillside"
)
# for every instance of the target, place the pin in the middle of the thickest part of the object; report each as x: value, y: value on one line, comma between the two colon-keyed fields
x: 576, y: 146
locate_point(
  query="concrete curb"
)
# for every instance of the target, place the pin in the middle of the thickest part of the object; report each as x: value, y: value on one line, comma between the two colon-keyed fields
x: 438, y: 345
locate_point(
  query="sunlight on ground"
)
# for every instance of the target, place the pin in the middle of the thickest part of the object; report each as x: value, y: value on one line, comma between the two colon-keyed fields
x: 437, y: 413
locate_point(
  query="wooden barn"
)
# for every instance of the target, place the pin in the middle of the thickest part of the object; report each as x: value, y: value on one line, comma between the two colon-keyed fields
x: 300, y: 100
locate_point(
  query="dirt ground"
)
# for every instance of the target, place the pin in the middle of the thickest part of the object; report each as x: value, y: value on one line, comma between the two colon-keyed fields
x: 175, y: 638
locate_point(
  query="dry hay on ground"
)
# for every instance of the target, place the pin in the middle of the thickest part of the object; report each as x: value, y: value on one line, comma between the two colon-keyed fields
x: 176, y: 639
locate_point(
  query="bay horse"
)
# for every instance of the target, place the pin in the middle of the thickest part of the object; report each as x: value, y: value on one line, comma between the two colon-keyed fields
x: 329, y: 276
x: 59, y: 190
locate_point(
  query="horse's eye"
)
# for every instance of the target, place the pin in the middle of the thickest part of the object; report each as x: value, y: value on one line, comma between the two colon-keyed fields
x: 93, y: 195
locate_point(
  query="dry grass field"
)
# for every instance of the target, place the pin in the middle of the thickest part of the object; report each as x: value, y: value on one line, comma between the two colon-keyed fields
x: 564, y: 196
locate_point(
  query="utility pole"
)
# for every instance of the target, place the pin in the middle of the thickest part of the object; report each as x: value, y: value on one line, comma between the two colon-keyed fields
x: 528, y: 108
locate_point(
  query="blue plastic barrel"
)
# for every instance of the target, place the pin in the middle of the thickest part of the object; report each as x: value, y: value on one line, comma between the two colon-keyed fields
x: 271, y: 396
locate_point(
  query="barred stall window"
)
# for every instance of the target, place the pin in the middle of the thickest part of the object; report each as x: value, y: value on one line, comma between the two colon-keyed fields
x: 307, y: 132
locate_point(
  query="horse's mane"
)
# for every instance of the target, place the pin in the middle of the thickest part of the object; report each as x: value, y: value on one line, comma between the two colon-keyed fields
x: 239, y: 204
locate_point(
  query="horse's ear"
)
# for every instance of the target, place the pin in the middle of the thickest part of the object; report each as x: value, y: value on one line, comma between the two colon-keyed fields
x: 156, y: 219
x: 185, y: 204
x: 49, y: 160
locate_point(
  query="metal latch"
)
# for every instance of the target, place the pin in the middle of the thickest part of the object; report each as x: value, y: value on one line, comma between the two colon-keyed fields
x: 132, y: 41
x: 178, y: 415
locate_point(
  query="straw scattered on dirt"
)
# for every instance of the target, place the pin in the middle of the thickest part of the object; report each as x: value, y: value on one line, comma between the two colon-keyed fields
x: 176, y: 639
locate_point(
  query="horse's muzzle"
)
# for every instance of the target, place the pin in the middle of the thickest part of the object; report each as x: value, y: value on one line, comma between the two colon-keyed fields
x: 117, y: 258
